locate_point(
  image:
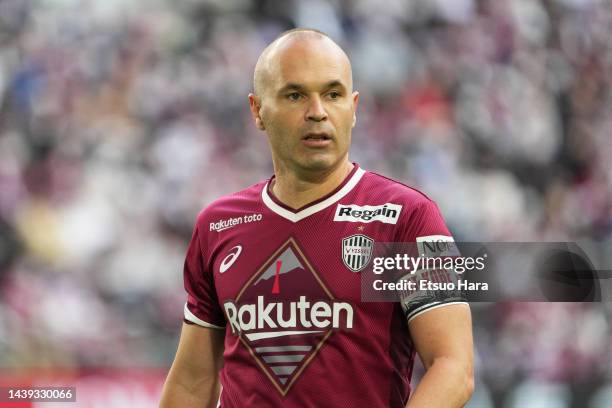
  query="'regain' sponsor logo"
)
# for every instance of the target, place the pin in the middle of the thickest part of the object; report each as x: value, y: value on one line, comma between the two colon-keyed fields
x: 387, y: 213
x: 284, y: 314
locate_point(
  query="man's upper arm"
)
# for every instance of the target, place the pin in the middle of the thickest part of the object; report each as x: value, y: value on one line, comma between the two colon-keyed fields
x: 193, y: 377
x: 200, y: 350
x: 444, y: 332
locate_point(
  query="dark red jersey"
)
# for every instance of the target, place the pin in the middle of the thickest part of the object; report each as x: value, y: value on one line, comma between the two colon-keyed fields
x: 285, y: 286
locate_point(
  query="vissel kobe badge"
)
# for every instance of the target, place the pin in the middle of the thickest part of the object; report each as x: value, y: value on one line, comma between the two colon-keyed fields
x: 357, y: 251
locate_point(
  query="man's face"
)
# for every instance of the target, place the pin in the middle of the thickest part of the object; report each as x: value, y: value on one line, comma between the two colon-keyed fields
x: 307, y: 106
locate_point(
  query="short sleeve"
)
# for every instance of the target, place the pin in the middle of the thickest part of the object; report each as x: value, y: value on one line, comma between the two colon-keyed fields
x: 425, y: 220
x: 426, y: 227
x: 202, y: 306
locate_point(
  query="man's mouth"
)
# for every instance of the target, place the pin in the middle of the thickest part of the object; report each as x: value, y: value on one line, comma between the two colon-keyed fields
x: 316, y: 140
x: 317, y: 136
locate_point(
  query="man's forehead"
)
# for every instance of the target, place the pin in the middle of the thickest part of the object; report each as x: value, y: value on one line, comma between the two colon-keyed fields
x: 310, y: 62
x: 306, y: 58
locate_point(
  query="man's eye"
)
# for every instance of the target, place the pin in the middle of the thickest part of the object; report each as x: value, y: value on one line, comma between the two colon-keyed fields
x: 334, y: 95
x: 294, y: 96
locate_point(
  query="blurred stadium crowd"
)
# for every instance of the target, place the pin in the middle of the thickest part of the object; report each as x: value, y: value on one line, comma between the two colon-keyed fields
x: 120, y: 120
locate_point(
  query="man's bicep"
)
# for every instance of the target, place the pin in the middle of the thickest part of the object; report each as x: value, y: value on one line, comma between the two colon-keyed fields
x: 200, y: 351
x: 443, y: 332
x: 193, y: 378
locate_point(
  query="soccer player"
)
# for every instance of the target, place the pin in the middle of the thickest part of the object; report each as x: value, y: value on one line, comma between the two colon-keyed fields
x: 273, y: 316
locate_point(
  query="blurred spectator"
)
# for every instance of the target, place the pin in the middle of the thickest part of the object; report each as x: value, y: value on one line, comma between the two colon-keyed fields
x: 119, y: 121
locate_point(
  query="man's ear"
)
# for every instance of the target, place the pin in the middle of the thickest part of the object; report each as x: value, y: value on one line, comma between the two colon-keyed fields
x: 255, y: 106
x: 355, y: 104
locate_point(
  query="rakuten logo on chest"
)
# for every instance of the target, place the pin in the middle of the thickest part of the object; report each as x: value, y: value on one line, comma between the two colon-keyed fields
x: 301, y: 314
x: 386, y: 213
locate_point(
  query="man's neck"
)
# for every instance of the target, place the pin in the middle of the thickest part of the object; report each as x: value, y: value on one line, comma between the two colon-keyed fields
x: 296, y: 192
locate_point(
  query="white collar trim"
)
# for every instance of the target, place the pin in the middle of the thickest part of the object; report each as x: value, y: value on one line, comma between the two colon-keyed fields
x: 300, y: 215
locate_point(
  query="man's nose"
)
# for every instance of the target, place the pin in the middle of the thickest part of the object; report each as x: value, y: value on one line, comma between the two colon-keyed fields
x: 316, y: 110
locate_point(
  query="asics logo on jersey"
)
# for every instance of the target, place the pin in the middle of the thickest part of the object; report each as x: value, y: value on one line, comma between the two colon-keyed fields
x: 230, y: 258
x: 387, y: 213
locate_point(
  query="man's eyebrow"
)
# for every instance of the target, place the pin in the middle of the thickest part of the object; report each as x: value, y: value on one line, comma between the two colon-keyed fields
x: 334, y: 84
x: 291, y: 86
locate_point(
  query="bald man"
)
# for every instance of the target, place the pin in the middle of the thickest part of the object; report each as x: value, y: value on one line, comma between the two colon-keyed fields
x: 274, y: 316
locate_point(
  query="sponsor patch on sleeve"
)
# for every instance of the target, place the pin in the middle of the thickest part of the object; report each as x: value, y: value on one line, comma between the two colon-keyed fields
x: 437, y: 245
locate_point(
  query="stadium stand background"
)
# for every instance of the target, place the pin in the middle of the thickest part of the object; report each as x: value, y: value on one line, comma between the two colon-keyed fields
x: 119, y: 120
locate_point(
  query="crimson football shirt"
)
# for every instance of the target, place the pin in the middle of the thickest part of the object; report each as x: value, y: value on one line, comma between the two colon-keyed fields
x: 285, y: 286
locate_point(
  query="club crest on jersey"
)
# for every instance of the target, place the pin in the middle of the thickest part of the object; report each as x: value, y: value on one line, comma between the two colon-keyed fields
x: 357, y: 251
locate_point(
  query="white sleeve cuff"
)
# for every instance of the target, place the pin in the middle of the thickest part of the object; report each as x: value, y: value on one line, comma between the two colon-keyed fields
x: 194, y: 319
x: 431, y: 306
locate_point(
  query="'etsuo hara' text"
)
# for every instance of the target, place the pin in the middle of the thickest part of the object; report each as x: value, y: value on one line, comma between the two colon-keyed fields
x: 427, y: 285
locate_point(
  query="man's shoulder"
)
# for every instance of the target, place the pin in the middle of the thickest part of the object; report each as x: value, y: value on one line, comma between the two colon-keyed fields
x: 237, y: 203
x: 377, y: 185
x: 420, y: 215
